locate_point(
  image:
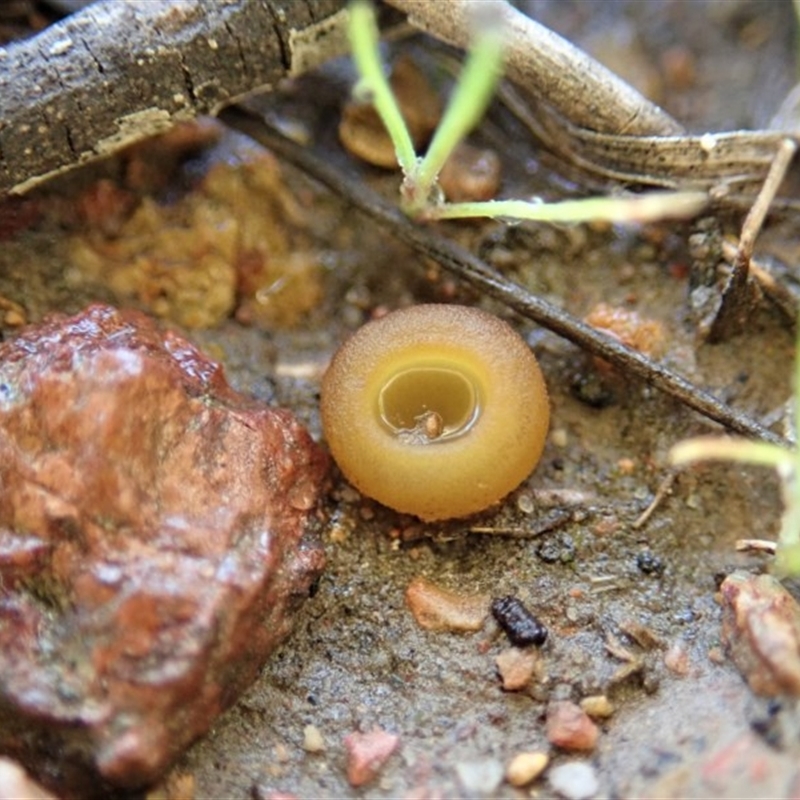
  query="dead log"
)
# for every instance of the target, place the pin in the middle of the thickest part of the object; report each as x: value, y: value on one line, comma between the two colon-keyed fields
x: 121, y: 70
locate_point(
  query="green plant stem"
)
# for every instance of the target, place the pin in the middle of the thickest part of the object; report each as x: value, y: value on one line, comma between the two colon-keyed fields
x: 787, y: 557
x: 708, y: 448
x: 644, y: 208
x: 785, y: 461
x: 469, y: 101
x: 363, y: 32
x: 787, y: 464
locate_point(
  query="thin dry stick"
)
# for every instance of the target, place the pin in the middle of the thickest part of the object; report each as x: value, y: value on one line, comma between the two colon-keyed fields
x: 734, y: 305
x: 757, y: 546
x: 476, y: 272
x: 731, y: 165
x: 554, y: 70
x: 549, y: 522
x: 663, y: 490
x: 754, y: 220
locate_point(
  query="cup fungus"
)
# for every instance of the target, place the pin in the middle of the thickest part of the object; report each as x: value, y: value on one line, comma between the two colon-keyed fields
x: 435, y: 410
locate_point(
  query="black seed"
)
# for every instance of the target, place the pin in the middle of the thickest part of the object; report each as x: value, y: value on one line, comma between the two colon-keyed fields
x: 521, y: 627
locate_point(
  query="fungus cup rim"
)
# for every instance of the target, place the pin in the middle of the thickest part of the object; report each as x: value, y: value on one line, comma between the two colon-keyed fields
x: 463, y: 474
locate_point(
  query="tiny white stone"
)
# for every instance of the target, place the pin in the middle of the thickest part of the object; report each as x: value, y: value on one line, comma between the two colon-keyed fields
x: 480, y: 777
x: 525, y: 504
x: 61, y: 46
x: 313, y: 740
x: 708, y: 142
x: 575, y: 781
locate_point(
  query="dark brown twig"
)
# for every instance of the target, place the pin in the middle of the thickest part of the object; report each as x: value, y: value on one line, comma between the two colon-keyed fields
x: 479, y: 274
x: 736, y: 296
x: 665, y: 487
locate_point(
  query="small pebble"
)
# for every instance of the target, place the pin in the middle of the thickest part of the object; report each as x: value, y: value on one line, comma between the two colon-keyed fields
x: 627, y: 326
x: 525, y: 768
x: 761, y: 632
x: 367, y: 753
x: 598, y: 706
x: 362, y: 132
x: 282, y: 753
x: 438, y: 609
x: 569, y: 727
x: 650, y: 682
x: 313, y: 740
x: 347, y: 494
x: 575, y: 781
x: 694, y: 502
x: 177, y: 786
x: 676, y: 659
x: 480, y: 777
x: 525, y: 503
x: 626, y: 466
x: 470, y: 173
x: 516, y: 668
x: 14, y: 318
x: 678, y: 67
x: 716, y: 656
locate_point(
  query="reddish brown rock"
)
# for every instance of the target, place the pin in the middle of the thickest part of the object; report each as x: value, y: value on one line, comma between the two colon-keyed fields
x: 152, y: 545
x: 367, y: 753
x: 569, y: 727
x: 761, y: 632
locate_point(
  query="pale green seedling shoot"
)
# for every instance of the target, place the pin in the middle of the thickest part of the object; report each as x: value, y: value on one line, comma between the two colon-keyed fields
x: 784, y: 460
x: 420, y: 196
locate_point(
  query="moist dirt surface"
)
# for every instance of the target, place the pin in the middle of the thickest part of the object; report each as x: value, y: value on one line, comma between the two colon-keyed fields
x: 632, y: 611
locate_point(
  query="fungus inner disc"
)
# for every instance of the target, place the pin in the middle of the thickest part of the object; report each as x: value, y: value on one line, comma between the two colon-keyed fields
x: 425, y: 405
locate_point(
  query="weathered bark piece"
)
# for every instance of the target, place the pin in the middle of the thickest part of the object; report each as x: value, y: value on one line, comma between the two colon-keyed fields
x: 124, y: 69
x: 551, y: 68
x: 153, y: 546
